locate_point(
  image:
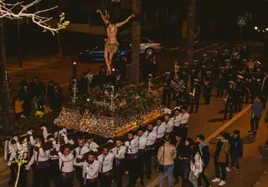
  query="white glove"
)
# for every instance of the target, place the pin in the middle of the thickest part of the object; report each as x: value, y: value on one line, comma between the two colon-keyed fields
x: 38, y: 145
x: 110, y: 141
x: 30, y: 132
x: 43, y: 127
x: 27, y: 167
x: 95, y: 150
x: 71, y: 142
x: 15, y: 138
x: 8, y: 163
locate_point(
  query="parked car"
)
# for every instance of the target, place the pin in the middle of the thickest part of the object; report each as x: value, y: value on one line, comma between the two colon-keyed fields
x: 97, y: 53
x: 147, y: 46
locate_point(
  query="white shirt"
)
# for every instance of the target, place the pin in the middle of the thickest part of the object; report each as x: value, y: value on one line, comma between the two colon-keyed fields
x: 45, y: 133
x: 91, y: 171
x: 60, y: 132
x: 160, y: 130
x: 79, y: 152
x: 176, y: 120
x: 151, y: 137
x: 92, y: 147
x: 169, y: 126
x: 11, y: 150
x: 132, y: 147
x: 184, y: 118
x: 119, y: 152
x: 142, y: 141
x: 106, y: 162
x: 39, y: 156
x: 66, y: 163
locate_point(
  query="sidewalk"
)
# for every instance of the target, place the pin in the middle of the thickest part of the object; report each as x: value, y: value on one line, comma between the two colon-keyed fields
x: 30, y: 64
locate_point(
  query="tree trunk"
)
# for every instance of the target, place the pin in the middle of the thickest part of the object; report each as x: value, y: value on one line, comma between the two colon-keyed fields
x: 135, y: 45
x: 191, y: 31
x: 4, y: 85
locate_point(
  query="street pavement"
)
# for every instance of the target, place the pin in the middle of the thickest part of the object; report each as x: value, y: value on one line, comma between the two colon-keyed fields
x: 207, y: 121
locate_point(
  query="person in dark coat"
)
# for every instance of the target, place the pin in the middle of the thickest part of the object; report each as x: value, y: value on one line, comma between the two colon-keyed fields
x: 101, y: 77
x: 179, y: 144
x: 25, y: 96
x: 57, y: 98
x: 236, y: 150
x: 83, y: 84
x: 205, y: 155
x: 147, y: 67
x: 120, y: 65
x: 37, y: 87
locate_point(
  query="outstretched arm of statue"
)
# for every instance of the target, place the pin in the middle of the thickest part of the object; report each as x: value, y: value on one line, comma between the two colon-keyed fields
x: 125, y: 21
x: 103, y: 17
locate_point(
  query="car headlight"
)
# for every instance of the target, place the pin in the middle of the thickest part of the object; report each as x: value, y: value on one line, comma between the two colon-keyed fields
x: 256, y: 28
x: 266, y: 29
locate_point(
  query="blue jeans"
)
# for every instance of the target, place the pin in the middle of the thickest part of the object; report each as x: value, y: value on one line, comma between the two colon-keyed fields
x: 169, y: 170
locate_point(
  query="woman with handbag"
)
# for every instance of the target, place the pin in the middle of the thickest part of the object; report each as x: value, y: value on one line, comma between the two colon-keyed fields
x: 196, y: 167
x: 166, y: 155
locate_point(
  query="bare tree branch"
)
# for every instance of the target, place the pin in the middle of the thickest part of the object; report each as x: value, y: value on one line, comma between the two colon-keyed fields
x: 6, y: 11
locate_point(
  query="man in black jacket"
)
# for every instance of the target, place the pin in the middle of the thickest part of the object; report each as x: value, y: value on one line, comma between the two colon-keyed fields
x: 204, y: 152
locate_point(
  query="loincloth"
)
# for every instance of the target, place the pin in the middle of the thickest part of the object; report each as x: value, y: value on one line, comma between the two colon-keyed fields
x: 111, y: 48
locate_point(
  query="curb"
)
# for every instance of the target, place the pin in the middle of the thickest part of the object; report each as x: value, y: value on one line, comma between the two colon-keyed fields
x: 260, y: 180
x: 228, y: 123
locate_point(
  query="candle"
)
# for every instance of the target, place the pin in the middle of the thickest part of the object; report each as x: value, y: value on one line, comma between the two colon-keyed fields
x: 74, y: 70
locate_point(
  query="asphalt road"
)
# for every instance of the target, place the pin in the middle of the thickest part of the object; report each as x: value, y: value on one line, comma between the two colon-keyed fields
x: 207, y: 121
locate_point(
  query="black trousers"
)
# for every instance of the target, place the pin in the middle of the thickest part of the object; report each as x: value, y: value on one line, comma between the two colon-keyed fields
x: 177, y: 169
x: 207, y: 96
x: 255, y: 123
x: 41, y: 177
x: 141, y: 161
x: 105, y: 179
x: 238, y: 104
x: 220, y: 91
x: 228, y: 109
x: 235, y: 161
x: 118, y: 173
x: 66, y: 181
x: 55, y: 172
x: 79, y: 175
x: 132, y: 167
x: 13, y: 171
x: 195, y: 104
x: 220, y: 170
x: 23, y: 176
x: 148, y: 162
x: 203, y: 177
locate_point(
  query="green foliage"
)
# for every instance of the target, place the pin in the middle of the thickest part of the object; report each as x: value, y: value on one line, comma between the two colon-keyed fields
x: 130, y: 102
